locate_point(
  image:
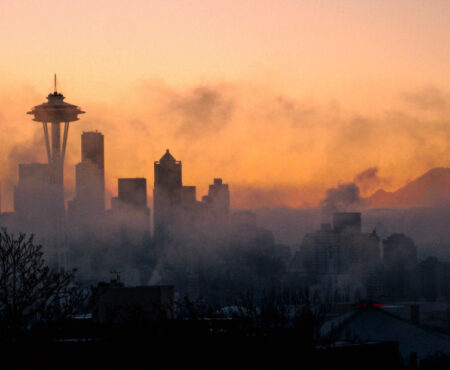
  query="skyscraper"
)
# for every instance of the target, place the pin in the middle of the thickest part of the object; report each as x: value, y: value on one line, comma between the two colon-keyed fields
x: 216, y: 207
x: 219, y: 194
x: 400, y: 267
x: 90, y: 177
x: 32, y: 193
x: 132, y: 193
x: 334, y: 254
x: 129, y: 208
x: 166, y: 193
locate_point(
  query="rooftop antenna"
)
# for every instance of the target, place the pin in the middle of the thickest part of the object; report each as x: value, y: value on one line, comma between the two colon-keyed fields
x: 55, y: 83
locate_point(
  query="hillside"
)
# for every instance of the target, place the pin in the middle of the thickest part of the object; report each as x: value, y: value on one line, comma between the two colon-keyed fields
x: 430, y: 189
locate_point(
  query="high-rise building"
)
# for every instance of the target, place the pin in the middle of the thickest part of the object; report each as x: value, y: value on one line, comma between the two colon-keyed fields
x: 188, y: 196
x: 341, y: 251
x: 32, y: 193
x: 130, y: 206
x: 400, y: 263
x: 167, y: 193
x: 90, y: 177
x: 92, y: 149
x: 219, y: 197
x: 32, y: 214
x: 399, y: 249
x: 132, y: 193
x: 347, y: 222
x: 176, y: 209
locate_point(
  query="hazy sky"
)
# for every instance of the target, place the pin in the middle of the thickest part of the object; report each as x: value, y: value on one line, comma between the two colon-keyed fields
x: 295, y: 94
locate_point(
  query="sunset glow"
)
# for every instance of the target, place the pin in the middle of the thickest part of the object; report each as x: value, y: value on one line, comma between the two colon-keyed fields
x: 297, y: 95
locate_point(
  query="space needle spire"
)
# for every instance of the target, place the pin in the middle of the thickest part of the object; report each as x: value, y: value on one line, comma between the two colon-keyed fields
x: 55, y: 112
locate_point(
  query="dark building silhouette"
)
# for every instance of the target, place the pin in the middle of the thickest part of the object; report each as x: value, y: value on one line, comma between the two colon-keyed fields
x: 216, y: 209
x: 341, y: 249
x: 375, y: 324
x: 430, y: 272
x: 218, y: 198
x: 399, y: 249
x: 342, y: 254
x: 188, y: 196
x: 129, y: 208
x: 347, y: 222
x: 168, y: 195
x: 132, y: 193
x: 90, y: 177
x: 33, y: 211
x: 32, y: 195
x: 55, y: 112
x: 118, y: 303
x: 400, y: 263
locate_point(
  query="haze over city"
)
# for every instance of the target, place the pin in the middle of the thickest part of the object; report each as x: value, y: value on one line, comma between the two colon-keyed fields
x: 225, y: 184
x: 262, y: 97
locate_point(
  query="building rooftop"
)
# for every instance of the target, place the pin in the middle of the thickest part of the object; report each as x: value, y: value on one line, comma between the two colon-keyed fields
x: 379, y: 325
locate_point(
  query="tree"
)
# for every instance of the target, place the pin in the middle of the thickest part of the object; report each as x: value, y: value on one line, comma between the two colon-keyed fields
x: 29, y: 290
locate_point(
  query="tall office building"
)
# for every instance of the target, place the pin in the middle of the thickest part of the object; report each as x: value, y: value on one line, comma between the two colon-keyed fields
x: 219, y: 196
x: 343, y: 255
x: 216, y: 207
x: 32, y: 193
x: 132, y: 193
x: 90, y: 177
x: 347, y: 222
x: 400, y: 267
x: 398, y: 249
x: 33, y: 197
x: 341, y: 249
x: 130, y: 208
x: 167, y: 193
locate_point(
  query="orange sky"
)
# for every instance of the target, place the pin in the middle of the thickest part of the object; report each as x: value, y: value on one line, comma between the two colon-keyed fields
x: 281, y: 98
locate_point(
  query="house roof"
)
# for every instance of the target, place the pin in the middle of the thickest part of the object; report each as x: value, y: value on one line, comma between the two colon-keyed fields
x: 379, y: 325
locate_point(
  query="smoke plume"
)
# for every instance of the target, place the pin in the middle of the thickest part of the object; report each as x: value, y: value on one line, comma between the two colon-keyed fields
x: 369, y: 180
x: 343, y: 198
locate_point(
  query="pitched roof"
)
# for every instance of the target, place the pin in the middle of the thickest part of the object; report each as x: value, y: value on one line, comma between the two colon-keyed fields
x: 167, y: 157
x: 379, y: 325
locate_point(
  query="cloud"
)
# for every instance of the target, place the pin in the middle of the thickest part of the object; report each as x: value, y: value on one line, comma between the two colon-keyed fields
x: 279, y: 195
x: 28, y: 151
x: 201, y: 111
x: 429, y: 98
x: 297, y: 113
x: 272, y: 148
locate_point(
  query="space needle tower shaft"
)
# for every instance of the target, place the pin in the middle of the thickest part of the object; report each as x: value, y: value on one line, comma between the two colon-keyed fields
x: 55, y: 112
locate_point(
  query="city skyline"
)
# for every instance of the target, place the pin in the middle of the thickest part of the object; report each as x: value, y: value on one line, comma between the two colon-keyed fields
x: 236, y: 104
x: 367, y: 182
x: 244, y: 184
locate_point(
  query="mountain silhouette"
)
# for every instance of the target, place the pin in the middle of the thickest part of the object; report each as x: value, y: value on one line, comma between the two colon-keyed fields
x: 430, y: 189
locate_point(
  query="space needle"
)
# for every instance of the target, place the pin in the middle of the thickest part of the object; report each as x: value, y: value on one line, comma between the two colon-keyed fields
x: 56, y: 112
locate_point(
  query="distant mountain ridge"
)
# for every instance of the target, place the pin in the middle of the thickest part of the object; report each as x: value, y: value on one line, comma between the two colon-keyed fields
x: 430, y: 189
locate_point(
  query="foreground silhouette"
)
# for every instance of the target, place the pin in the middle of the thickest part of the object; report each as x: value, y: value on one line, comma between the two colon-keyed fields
x: 30, y: 292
